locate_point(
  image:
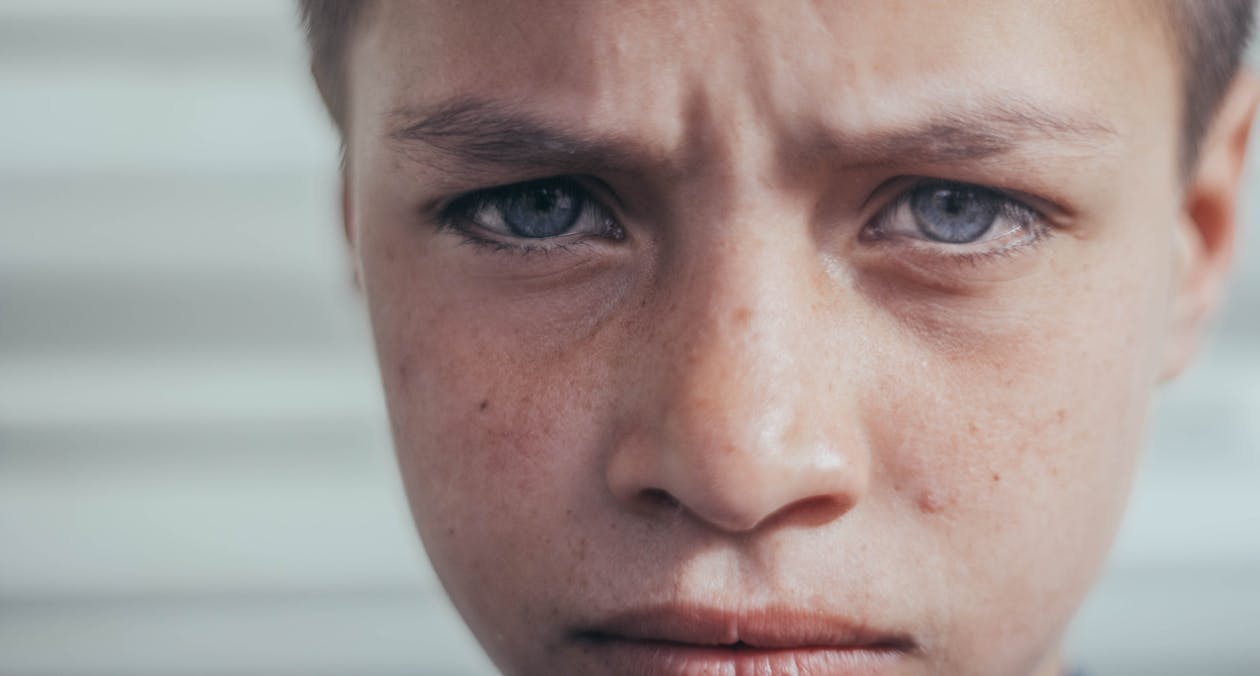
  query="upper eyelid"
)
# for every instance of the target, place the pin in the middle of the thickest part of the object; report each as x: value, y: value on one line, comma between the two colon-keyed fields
x: 591, y: 188
x: 903, y: 187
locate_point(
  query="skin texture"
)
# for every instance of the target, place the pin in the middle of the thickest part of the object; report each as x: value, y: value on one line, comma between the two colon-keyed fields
x: 743, y: 402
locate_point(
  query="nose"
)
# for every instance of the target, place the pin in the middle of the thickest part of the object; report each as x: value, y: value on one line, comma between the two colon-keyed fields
x: 747, y: 410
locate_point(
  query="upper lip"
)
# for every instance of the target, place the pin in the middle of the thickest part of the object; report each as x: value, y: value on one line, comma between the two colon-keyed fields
x: 765, y: 628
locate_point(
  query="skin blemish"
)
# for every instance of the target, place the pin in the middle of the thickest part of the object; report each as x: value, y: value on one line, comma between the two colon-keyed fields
x: 932, y: 501
x: 403, y: 374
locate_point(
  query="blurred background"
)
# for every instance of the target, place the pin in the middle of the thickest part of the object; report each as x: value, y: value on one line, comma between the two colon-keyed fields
x: 195, y: 469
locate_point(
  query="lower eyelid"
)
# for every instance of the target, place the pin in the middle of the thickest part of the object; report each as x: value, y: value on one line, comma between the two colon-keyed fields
x: 462, y: 223
x: 934, y: 265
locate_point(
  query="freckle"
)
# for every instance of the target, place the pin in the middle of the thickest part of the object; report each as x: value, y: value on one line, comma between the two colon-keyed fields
x: 742, y: 315
x: 996, y: 477
x: 972, y: 428
x: 451, y: 531
x: 485, y: 403
x: 1061, y: 415
x: 403, y: 372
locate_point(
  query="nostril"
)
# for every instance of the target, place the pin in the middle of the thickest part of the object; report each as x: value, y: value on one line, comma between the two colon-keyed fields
x: 659, y: 498
x: 811, y: 512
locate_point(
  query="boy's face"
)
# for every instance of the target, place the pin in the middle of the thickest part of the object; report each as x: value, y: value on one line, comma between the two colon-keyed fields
x: 837, y: 343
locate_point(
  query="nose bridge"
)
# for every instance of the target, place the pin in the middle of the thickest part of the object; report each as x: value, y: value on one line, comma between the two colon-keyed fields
x: 736, y: 355
x: 743, y: 425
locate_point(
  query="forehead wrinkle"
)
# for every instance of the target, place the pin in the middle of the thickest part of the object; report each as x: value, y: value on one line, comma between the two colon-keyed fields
x: 473, y: 134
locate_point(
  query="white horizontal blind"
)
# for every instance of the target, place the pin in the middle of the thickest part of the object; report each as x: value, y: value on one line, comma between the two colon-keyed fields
x: 195, y: 471
x: 195, y: 474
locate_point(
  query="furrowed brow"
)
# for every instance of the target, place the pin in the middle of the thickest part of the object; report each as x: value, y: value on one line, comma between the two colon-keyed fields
x: 473, y: 134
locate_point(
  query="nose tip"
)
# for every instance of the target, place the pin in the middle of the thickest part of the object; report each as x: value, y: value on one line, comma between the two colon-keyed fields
x: 737, y: 487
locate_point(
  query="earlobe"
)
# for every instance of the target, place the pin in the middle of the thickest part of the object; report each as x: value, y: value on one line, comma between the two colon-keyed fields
x: 1207, y: 229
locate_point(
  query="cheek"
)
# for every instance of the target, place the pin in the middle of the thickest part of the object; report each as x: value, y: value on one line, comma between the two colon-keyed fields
x: 474, y: 424
x: 497, y: 433
x: 1016, y: 438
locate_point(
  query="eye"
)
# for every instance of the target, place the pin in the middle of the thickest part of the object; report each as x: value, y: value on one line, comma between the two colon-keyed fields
x: 513, y: 215
x: 953, y: 216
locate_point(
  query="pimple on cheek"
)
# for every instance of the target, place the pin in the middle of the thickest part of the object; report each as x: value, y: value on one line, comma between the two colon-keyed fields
x: 934, y: 500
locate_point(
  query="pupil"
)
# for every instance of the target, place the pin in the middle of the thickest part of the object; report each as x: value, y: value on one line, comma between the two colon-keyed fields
x: 546, y: 210
x: 543, y: 200
x: 954, y: 214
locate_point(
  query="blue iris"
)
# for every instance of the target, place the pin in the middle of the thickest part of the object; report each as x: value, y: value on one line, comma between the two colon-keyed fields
x: 541, y: 208
x: 956, y: 214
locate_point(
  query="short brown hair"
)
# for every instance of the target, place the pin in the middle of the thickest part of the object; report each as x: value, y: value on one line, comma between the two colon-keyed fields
x: 1211, y: 35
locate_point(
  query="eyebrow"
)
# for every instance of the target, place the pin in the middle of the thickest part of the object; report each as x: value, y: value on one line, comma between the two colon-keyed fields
x: 986, y: 128
x: 474, y: 134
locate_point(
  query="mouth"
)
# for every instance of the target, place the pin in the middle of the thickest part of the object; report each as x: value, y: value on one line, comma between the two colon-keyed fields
x: 678, y: 639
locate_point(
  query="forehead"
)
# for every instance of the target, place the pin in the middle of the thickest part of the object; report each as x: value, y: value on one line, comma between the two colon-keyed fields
x: 660, y: 67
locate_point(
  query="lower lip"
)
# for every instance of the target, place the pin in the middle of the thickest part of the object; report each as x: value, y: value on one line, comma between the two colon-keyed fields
x: 634, y: 658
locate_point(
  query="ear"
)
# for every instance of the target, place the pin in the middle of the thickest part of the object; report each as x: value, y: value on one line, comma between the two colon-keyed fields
x: 348, y: 226
x: 1207, y: 227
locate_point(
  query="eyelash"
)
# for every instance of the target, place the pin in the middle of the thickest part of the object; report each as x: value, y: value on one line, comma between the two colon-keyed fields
x: 458, y: 216
x: 1031, y: 221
